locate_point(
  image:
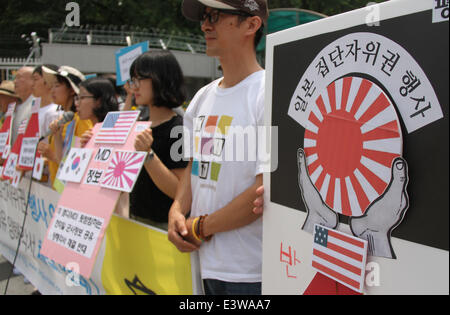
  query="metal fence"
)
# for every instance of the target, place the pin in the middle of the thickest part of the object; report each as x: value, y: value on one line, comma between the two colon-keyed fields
x: 157, y: 38
x: 8, y: 66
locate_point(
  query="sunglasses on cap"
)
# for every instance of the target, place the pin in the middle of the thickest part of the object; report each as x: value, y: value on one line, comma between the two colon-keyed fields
x: 214, y: 15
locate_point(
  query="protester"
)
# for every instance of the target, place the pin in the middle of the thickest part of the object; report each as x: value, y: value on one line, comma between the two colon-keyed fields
x: 65, y: 86
x: 96, y: 99
x: 158, y: 83
x: 120, y: 92
x: 7, y: 96
x: 24, y: 89
x: 49, y: 110
x: 217, y: 192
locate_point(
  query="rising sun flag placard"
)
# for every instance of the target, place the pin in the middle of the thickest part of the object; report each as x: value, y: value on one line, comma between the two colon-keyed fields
x: 123, y: 170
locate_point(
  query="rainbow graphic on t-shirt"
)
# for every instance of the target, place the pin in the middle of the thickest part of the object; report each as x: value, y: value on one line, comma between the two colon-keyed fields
x: 209, y: 140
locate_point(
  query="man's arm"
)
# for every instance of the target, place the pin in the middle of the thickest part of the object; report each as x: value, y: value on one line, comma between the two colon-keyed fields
x: 238, y: 213
x: 178, y: 230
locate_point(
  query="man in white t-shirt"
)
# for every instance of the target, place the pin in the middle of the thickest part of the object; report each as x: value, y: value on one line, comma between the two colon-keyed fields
x: 48, y: 112
x: 219, y: 185
x: 41, y: 88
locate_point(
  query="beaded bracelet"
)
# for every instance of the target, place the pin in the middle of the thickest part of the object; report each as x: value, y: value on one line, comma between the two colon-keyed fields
x: 201, y: 231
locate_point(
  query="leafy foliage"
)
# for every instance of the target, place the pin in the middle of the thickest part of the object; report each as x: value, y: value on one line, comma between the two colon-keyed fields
x: 24, y: 17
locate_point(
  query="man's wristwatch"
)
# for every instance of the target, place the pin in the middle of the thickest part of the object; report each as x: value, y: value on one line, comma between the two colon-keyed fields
x: 150, y: 156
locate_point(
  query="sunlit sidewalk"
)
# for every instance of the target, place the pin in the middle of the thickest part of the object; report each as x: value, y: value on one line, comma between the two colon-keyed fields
x: 17, y: 286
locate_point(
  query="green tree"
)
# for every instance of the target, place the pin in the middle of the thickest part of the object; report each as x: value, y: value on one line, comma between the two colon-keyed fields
x: 24, y: 17
x: 327, y: 7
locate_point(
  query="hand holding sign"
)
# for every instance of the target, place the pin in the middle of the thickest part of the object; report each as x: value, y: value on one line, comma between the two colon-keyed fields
x: 87, y: 135
x: 144, y: 141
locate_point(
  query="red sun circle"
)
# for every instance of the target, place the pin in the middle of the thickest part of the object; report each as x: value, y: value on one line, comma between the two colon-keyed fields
x: 119, y: 169
x: 339, y: 143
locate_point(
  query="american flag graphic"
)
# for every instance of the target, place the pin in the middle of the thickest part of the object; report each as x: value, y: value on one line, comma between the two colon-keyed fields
x: 123, y: 170
x: 340, y: 257
x: 116, y: 127
x: 23, y: 127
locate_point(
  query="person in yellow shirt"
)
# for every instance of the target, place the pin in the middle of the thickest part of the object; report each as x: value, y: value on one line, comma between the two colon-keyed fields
x: 65, y: 87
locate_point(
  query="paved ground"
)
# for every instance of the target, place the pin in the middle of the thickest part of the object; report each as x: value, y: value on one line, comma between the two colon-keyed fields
x: 16, y: 283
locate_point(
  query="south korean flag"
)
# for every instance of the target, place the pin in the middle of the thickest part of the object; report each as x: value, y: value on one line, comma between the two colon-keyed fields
x: 75, y: 165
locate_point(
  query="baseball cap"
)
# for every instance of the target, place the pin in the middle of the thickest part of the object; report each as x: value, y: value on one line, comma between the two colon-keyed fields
x: 72, y: 75
x: 193, y: 9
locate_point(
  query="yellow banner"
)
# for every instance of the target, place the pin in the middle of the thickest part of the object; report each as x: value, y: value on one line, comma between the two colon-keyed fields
x: 139, y: 260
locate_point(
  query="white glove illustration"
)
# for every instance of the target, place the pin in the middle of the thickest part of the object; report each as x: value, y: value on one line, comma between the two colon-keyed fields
x: 384, y: 214
x: 318, y: 211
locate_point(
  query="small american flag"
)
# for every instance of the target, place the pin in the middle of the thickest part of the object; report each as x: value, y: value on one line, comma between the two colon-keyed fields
x: 340, y: 257
x: 116, y: 127
x: 23, y: 127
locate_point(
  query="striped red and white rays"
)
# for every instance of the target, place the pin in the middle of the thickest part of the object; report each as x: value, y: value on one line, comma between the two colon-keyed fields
x: 123, y: 170
x: 353, y: 135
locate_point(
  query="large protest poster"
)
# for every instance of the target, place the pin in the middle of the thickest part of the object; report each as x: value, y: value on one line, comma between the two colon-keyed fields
x: 361, y: 105
x: 133, y: 258
x: 85, y: 208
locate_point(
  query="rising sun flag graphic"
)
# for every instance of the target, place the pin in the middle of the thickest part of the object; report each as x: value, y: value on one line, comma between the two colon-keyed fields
x: 123, y: 170
x: 352, y: 137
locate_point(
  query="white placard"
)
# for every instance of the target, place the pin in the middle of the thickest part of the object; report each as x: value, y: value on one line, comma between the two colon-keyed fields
x: 75, y: 231
x: 10, y: 167
x: 3, y: 140
x: 28, y: 152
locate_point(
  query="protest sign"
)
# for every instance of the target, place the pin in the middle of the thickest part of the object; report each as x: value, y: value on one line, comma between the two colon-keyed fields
x: 88, y: 209
x: 358, y: 116
x: 125, y: 58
